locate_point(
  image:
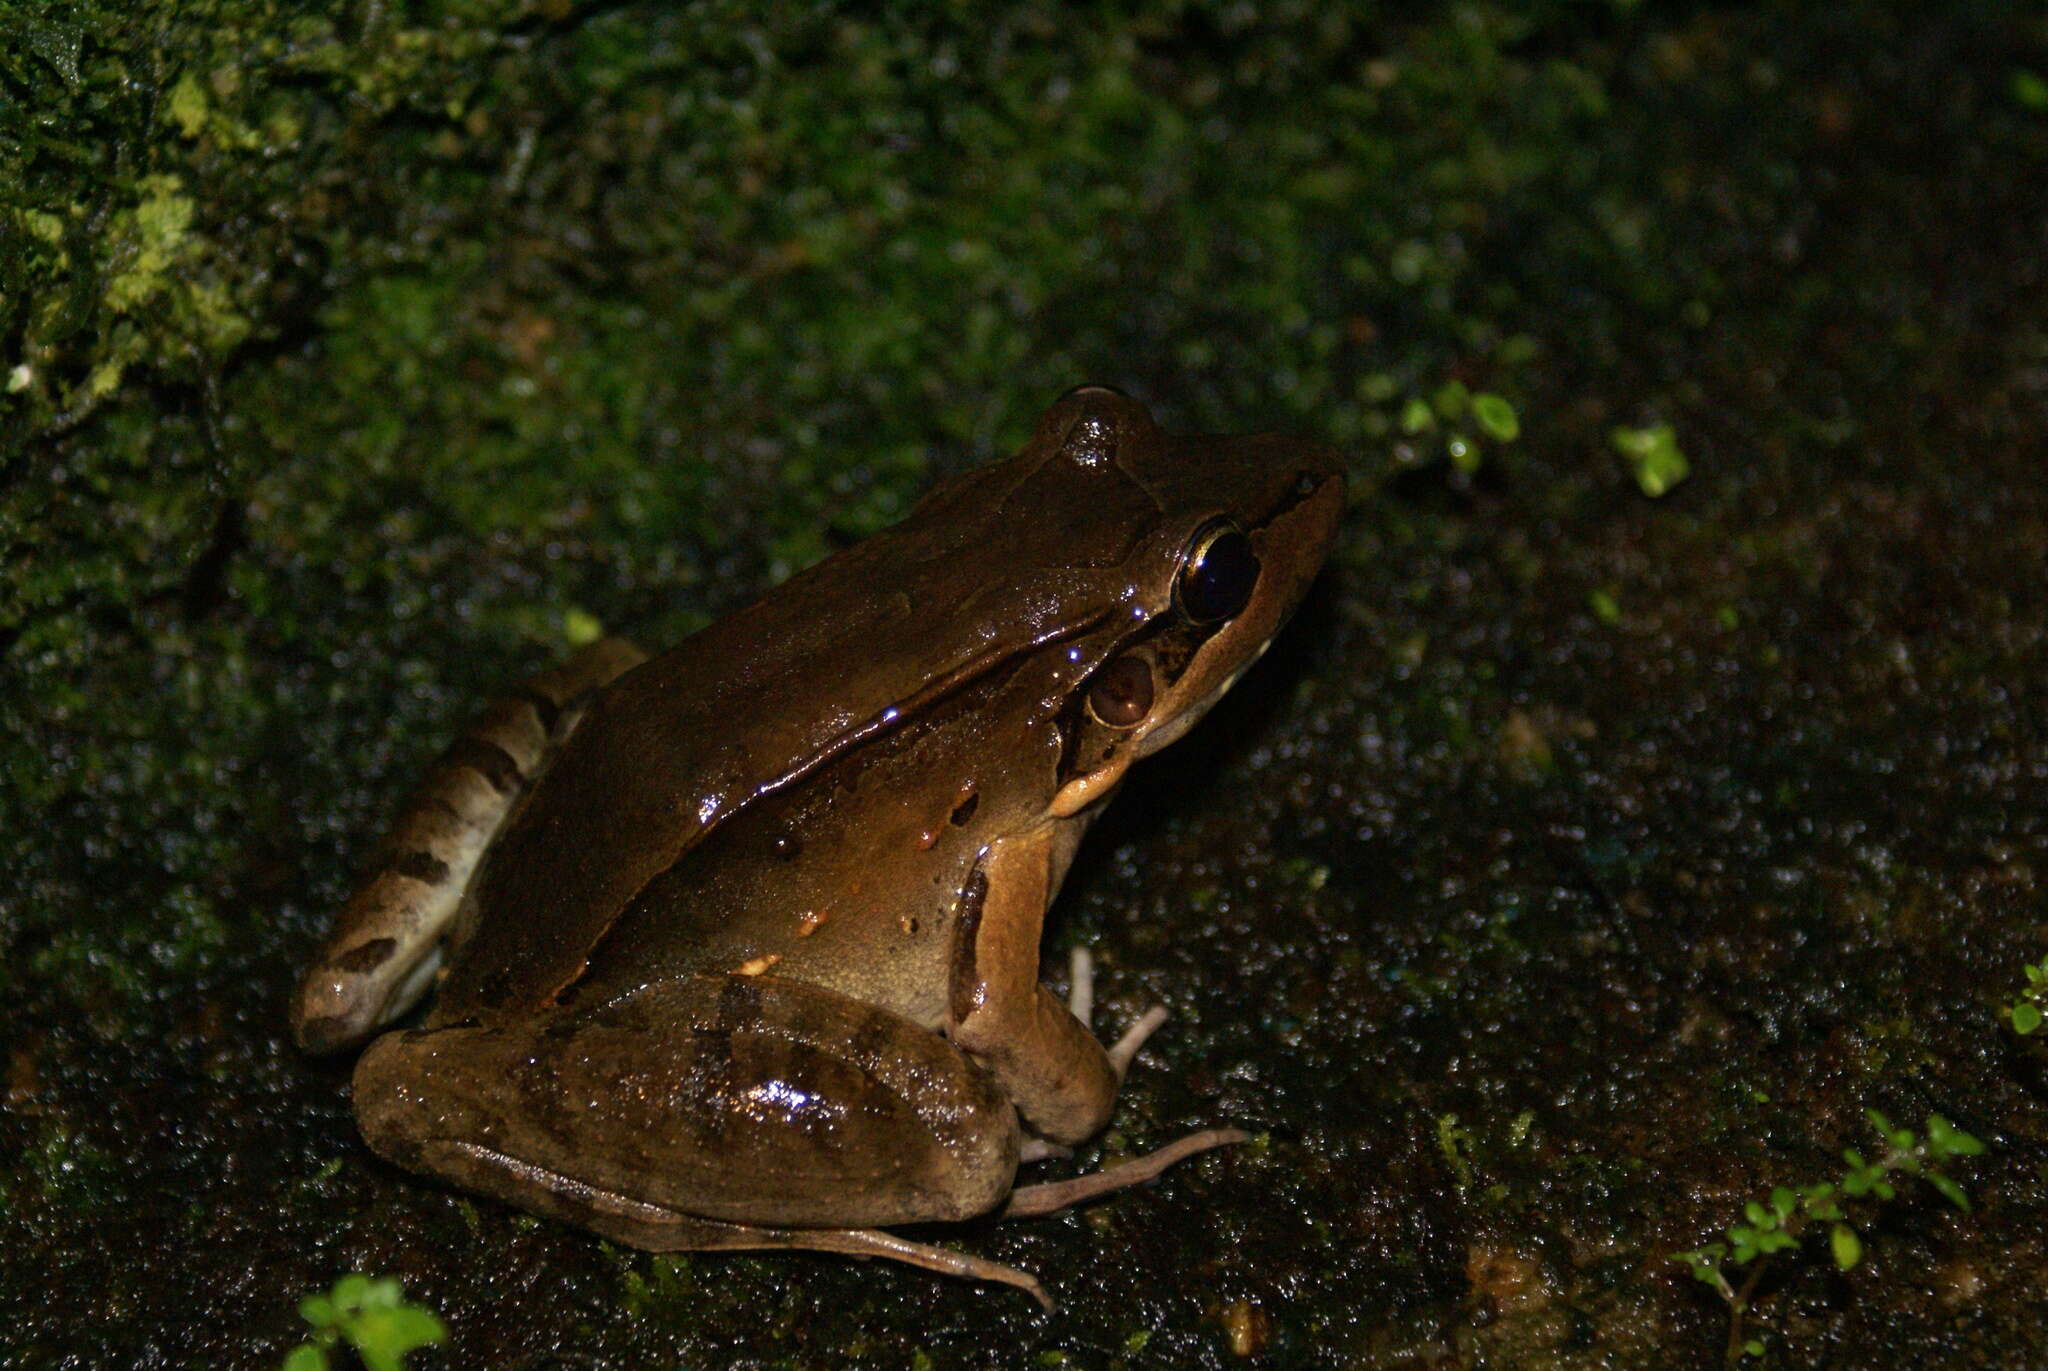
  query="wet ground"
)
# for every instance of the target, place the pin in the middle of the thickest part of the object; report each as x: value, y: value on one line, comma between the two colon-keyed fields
x: 1582, y: 864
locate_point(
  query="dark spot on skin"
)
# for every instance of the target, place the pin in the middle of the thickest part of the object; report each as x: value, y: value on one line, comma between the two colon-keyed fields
x: 739, y: 1004
x: 324, y: 1035
x: 964, y: 997
x: 964, y: 811
x: 364, y: 957
x: 421, y: 865
x: 489, y: 761
x: 704, y: 1088
x: 876, y: 1032
x: 549, y: 712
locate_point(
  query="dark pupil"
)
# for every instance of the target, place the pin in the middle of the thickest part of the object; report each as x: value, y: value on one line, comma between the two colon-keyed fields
x: 1122, y: 692
x: 1218, y: 580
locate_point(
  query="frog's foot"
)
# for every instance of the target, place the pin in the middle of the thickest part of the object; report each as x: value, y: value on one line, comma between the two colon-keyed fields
x: 1052, y: 1196
x: 1030, y: 1201
x: 1036, y: 1149
x: 1081, y: 1003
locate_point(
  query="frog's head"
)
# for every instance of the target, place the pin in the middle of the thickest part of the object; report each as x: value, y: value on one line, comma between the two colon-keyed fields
x: 1233, y: 530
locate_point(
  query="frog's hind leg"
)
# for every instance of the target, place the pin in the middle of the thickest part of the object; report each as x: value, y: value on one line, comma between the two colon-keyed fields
x: 1029, y: 1201
x: 387, y: 941
x: 655, y: 1228
x: 707, y: 1112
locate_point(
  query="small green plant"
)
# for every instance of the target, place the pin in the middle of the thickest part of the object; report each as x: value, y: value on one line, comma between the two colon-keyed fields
x: 1652, y: 454
x: 1459, y: 413
x: 1789, y: 1216
x: 370, y: 1315
x: 2026, y: 1011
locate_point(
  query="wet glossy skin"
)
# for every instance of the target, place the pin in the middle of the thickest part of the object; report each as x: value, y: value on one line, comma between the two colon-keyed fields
x: 755, y: 961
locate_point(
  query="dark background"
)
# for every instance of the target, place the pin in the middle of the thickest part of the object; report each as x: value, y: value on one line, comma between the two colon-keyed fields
x: 1580, y: 866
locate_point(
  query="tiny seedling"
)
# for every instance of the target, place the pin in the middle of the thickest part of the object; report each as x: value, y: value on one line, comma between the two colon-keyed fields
x: 1462, y: 416
x: 369, y: 1314
x: 2025, y: 1012
x: 1652, y: 454
x: 1790, y: 1215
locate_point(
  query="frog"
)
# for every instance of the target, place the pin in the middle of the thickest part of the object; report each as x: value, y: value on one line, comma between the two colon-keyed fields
x: 738, y: 946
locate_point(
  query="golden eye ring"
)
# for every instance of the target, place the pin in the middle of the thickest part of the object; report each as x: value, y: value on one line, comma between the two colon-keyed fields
x: 1218, y: 575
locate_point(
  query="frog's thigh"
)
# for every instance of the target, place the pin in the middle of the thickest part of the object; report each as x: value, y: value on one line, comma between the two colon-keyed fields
x: 744, y: 1100
x: 386, y: 943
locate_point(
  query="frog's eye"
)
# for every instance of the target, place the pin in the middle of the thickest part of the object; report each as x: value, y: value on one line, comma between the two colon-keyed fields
x: 1217, y: 578
x: 1121, y: 693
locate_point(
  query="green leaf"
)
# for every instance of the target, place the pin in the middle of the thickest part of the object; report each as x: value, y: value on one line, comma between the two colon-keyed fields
x: 350, y: 1290
x: 1654, y: 456
x: 1496, y: 418
x: 2030, y: 91
x: 1705, y: 1263
x: 417, y: 1327
x: 1782, y: 1203
x: 1417, y: 416
x: 1950, y: 1190
x: 1753, y: 1347
x: 1948, y: 1140
x: 1847, y: 1247
x: 304, y: 1357
x: 318, y: 1310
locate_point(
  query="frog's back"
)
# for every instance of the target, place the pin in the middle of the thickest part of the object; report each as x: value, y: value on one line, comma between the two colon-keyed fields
x: 749, y: 705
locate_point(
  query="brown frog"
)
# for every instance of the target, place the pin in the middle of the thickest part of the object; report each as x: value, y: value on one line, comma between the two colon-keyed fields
x: 743, y: 941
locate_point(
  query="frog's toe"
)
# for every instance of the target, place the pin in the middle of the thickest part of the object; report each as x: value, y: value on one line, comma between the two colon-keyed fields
x: 1030, y: 1201
x: 1081, y: 1004
x: 1134, y: 1037
x: 1081, y: 985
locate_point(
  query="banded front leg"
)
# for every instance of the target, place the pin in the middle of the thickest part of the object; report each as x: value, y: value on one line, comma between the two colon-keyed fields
x: 388, y: 940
